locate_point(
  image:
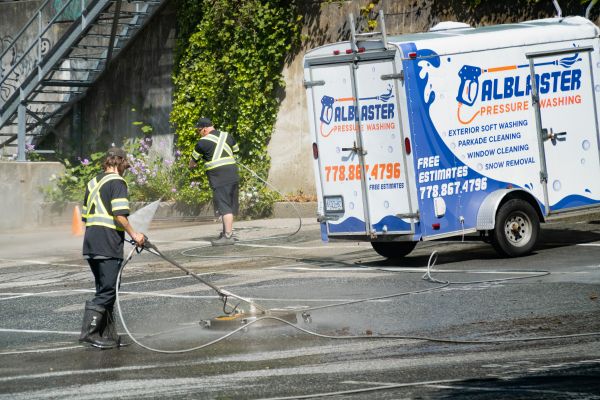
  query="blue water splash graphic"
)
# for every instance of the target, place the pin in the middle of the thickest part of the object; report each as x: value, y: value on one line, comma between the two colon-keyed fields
x: 386, y: 96
x: 567, y: 62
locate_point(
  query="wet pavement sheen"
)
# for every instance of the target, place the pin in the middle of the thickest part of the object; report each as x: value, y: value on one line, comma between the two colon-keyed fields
x: 403, y: 343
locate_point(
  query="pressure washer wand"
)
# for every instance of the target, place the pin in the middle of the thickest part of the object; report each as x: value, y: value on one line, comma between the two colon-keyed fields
x: 150, y: 247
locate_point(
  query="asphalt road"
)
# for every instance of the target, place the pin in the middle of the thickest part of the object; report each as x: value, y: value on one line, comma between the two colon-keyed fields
x: 471, y: 332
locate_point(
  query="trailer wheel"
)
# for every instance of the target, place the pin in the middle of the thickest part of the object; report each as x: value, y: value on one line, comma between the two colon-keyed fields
x: 517, y: 229
x: 393, y: 249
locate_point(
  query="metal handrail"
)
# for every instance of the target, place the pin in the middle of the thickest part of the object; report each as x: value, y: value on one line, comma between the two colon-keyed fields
x: 36, y: 41
x: 39, y: 65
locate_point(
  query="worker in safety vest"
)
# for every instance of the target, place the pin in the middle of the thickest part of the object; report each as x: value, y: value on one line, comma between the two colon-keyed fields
x: 105, y: 212
x: 216, y: 149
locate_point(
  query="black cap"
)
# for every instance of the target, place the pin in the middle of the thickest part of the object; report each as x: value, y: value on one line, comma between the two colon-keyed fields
x: 203, y: 123
x: 116, y: 151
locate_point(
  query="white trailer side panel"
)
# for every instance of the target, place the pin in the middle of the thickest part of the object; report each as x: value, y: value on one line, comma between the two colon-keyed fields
x: 474, y: 129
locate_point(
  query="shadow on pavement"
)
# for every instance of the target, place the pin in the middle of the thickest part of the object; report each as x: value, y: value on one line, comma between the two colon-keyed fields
x: 454, y: 251
x: 580, y: 381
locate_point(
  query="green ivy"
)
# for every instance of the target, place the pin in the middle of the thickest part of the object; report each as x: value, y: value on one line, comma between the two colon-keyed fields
x: 230, y: 70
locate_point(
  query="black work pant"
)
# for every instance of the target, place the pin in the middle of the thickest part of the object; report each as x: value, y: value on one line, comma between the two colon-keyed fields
x: 226, y: 199
x: 105, y: 274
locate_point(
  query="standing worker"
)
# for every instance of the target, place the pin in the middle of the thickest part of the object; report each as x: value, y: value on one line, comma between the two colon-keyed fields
x: 216, y: 149
x: 105, y: 212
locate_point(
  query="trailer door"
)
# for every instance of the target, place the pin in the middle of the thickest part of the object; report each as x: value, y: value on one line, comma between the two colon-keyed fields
x: 384, y: 148
x: 362, y: 166
x: 335, y: 132
x: 567, y: 125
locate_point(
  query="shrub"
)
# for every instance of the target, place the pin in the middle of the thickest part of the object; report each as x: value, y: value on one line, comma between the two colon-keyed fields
x: 230, y: 70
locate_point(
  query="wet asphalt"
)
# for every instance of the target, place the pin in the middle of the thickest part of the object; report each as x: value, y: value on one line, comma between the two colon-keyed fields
x: 467, y: 334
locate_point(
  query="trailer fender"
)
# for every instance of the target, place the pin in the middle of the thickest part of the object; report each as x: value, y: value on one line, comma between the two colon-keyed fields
x: 486, y: 216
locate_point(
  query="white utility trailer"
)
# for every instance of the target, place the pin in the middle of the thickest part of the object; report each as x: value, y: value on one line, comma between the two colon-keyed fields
x: 455, y: 131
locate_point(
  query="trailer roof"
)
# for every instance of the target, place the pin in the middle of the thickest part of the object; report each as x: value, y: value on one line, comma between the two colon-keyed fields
x: 461, y: 40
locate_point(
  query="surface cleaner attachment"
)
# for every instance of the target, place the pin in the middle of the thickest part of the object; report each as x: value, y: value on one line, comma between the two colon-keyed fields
x: 233, y: 317
x: 235, y: 320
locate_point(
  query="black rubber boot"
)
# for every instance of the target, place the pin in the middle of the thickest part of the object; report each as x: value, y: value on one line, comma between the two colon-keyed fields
x: 109, y: 330
x: 94, y: 321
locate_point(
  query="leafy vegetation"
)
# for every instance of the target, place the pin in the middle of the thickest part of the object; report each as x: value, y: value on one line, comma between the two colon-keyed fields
x: 229, y: 70
x: 230, y: 56
x: 150, y: 177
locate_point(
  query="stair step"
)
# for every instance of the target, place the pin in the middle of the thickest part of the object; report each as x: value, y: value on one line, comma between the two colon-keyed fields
x: 82, y: 57
x: 46, y: 102
x: 66, y: 83
x: 58, y: 91
x: 91, y: 46
x: 77, y: 70
x: 103, y: 35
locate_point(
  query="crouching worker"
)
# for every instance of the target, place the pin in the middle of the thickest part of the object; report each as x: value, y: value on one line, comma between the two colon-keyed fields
x: 105, y: 212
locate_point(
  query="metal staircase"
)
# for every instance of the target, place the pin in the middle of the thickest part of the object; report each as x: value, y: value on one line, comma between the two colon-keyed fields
x: 40, y: 81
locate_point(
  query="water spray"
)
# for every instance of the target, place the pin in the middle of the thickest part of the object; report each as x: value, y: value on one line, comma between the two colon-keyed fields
x: 233, y: 315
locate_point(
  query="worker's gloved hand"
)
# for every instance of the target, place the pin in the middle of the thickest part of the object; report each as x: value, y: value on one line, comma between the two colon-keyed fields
x: 138, y: 238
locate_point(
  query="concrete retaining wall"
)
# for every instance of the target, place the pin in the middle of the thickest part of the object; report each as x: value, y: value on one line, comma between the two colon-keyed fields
x: 167, y: 214
x: 21, y: 197
x: 12, y: 19
x: 23, y: 206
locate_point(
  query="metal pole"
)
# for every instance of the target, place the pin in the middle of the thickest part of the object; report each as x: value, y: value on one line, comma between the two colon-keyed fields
x: 535, y: 99
x: 559, y: 10
x: 382, y: 28
x: 22, y: 109
x: 39, y: 50
x: 589, y: 8
x: 113, y: 31
x: 352, y: 33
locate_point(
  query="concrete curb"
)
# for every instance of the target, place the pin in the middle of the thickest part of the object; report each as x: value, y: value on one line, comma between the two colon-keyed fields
x: 288, y: 210
x: 62, y: 214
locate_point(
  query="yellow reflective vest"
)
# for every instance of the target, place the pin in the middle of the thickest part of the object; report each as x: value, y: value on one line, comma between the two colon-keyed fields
x: 95, y: 211
x: 223, y: 154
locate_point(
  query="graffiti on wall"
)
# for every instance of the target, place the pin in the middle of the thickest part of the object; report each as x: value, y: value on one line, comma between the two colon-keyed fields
x: 15, y: 66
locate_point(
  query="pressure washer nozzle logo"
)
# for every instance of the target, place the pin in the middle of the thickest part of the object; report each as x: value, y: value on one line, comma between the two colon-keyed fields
x: 327, y: 109
x: 469, y: 85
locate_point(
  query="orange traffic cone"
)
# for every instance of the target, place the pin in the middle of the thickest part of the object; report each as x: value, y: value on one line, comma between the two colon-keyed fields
x: 77, y: 227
